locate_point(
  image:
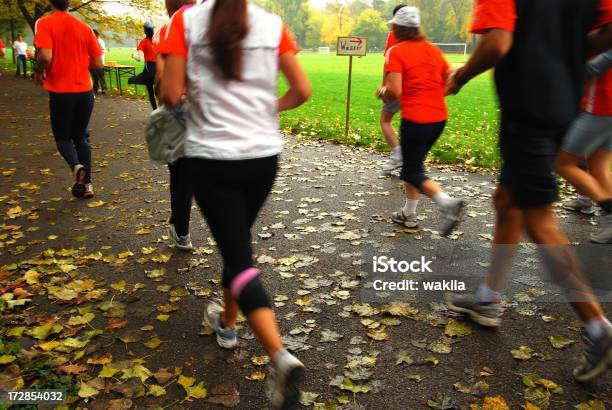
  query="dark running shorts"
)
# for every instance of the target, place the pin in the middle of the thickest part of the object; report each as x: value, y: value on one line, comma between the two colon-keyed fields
x: 528, y: 155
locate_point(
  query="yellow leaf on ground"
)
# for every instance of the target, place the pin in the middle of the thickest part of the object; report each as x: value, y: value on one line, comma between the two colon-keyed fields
x: 107, y: 372
x: 86, y: 391
x: 197, y: 392
x: 495, y: 403
x: 186, y: 381
x: 156, y: 390
x: 7, y: 358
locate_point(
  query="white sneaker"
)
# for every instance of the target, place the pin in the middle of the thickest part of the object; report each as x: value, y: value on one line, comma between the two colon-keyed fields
x: 226, y: 338
x: 604, y: 235
x: 452, y: 217
x: 582, y: 204
x: 285, y: 376
x: 181, y: 242
x: 392, y: 164
x: 408, y: 221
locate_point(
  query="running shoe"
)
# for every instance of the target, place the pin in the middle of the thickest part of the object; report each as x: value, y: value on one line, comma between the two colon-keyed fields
x: 392, y: 164
x: 597, y: 358
x: 604, y: 235
x: 78, y: 189
x: 89, y: 192
x: 408, y: 221
x: 485, y: 314
x: 181, y: 242
x: 452, y: 217
x: 285, y: 377
x: 581, y: 204
x: 226, y: 338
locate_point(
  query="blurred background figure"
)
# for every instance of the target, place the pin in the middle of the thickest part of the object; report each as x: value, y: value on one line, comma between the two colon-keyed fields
x: 97, y: 75
x: 21, y: 51
x: 147, y: 77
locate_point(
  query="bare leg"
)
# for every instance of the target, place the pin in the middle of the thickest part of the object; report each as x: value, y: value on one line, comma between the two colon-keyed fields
x: 387, y: 129
x: 430, y: 188
x: 542, y: 227
x: 263, y: 322
x: 411, y: 191
x: 509, y: 228
x: 585, y: 183
x: 231, y: 310
x: 599, y: 165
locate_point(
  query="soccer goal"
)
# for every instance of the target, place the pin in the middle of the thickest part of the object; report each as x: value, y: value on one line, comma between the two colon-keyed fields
x: 453, y: 48
x: 323, y: 50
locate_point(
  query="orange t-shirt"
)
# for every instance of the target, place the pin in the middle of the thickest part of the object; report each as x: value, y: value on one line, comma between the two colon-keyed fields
x: 2, y: 44
x: 494, y: 14
x: 159, y: 37
x: 176, y: 44
x: 391, y: 41
x: 146, y: 46
x: 424, y: 72
x: 605, y: 13
x: 73, y: 44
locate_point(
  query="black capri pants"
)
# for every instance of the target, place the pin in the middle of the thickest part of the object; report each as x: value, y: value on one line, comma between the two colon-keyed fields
x: 230, y: 194
x: 416, y: 141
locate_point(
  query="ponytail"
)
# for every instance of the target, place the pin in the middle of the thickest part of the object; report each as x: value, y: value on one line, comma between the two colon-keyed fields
x: 228, y: 27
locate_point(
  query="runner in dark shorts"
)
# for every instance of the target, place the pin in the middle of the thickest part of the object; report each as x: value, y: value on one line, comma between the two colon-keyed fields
x: 539, y: 49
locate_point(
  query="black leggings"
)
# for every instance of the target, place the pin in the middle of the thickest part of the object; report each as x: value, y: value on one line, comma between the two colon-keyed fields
x: 70, y: 114
x: 417, y: 140
x: 147, y: 78
x: 180, y: 196
x: 230, y: 195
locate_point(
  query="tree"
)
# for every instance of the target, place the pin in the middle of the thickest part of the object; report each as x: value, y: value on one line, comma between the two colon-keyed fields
x: 295, y: 14
x: 313, y: 29
x: 338, y: 22
x: 370, y: 24
x: 93, y: 12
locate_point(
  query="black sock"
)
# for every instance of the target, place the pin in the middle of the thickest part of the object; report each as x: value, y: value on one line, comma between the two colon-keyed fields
x: 606, y: 205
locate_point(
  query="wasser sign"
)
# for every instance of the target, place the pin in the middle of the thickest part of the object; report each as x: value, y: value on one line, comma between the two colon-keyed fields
x: 352, y: 46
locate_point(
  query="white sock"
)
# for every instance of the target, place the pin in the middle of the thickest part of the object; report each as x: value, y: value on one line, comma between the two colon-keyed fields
x: 444, y: 200
x: 487, y: 295
x: 410, y: 207
x: 596, y: 328
x: 396, y: 152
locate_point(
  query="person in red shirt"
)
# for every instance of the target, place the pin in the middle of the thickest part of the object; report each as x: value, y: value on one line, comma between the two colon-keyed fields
x: 67, y: 49
x: 416, y: 75
x: 387, y: 113
x: 532, y: 47
x: 181, y: 194
x: 148, y: 75
x: 2, y: 49
x: 590, y: 137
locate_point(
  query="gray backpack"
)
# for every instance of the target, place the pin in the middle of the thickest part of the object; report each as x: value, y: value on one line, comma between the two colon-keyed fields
x: 165, y: 134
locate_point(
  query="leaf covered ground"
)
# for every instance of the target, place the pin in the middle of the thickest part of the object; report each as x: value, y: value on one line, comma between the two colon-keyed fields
x: 94, y: 302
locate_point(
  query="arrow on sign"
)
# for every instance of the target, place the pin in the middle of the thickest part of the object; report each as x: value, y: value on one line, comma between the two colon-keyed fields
x: 358, y: 41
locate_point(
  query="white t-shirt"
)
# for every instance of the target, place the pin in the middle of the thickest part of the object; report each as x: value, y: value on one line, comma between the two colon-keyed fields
x: 21, y: 47
x: 233, y: 120
x: 102, y: 45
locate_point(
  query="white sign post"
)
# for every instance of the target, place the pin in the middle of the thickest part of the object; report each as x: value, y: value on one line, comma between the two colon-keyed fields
x: 350, y: 46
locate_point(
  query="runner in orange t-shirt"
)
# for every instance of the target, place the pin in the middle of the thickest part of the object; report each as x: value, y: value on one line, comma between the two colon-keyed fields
x: 416, y: 75
x: 181, y: 193
x: 388, y: 112
x: 147, y: 76
x: 67, y: 49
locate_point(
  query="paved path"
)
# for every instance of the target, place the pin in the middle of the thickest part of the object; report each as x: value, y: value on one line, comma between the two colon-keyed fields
x: 328, y: 209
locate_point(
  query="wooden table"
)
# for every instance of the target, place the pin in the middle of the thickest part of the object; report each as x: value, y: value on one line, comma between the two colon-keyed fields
x: 118, y: 71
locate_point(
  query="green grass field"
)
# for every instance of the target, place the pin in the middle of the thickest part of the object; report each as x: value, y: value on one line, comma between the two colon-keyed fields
x: 470, y: 136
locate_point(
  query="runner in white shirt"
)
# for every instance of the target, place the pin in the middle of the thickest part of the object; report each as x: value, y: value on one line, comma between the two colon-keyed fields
x: 232, y: 146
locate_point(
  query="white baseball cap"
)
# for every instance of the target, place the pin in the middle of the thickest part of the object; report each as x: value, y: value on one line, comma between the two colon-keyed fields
x: 407, y: 17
